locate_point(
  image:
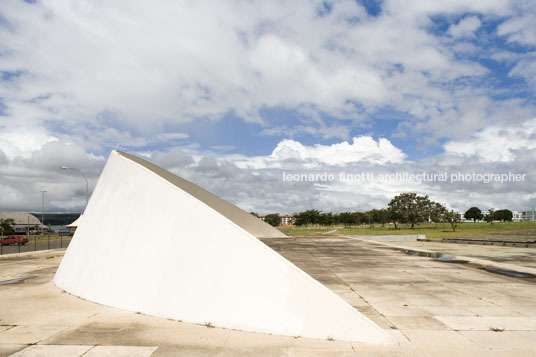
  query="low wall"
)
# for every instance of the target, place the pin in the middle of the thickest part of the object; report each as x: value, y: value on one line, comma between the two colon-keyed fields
x: 393, y: 238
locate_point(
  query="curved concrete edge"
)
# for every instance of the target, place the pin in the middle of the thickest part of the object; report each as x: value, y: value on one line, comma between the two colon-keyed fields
x: 245, y: 220
x: 478, y: 261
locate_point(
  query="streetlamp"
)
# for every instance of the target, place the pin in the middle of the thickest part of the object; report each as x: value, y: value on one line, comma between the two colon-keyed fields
x: 81, y: 173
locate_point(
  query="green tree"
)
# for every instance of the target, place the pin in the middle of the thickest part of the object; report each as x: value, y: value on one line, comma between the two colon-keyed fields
x: 473, y: 213
x: 367, y: 217
x: 395, y: 216
x: 451, y: 217
x: 6, y: 226
x: 411, y: 208
x: 273, y: 219
x: 307, y: 217
x: 380, y: 216
x: 254, y: 214
x: 437, y: 212
x: 503, y: 215
x: 325, y: 219
x: 356, y: 218
x: 345, y: 218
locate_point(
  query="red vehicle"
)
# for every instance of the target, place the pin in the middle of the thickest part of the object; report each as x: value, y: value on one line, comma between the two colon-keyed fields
x: 17, y: 240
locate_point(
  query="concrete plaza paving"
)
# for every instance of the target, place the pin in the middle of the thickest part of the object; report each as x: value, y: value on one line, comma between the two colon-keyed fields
x: 432, y: 308
x: 518, y: 256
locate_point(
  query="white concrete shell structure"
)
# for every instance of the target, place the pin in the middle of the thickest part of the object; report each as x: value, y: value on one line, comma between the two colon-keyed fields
x: 158, y: 244
x: 75, y: 223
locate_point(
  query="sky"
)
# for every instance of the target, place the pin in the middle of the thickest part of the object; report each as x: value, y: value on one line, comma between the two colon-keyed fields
x: 236, y: 95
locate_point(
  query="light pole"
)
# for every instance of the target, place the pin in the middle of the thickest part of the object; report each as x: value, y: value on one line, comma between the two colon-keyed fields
x: 43, y: 213
x: 81, y: 173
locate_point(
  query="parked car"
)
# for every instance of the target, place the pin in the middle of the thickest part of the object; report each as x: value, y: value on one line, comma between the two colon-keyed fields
x: 17, y: 240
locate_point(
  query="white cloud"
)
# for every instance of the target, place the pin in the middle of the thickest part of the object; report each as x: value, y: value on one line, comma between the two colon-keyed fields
x: 256, y: 183
x: 362, y: 149
x: 22, y: 141
x: 466, y: 27
x: 23, y: 178
x: 418, y: 8
x: 526, y: 68
x: 81, y: 77
x: 520, y: 28
x: 497, y: 143
x: 153, y: 66
x: 175, y: 157
x: 495, y: 150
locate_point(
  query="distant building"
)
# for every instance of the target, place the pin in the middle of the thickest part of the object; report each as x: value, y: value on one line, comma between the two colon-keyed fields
x: 285, y: 220
x: 528, y: 215
x: 288, y: 220
x: 516, y: 216
x: 23, y: 223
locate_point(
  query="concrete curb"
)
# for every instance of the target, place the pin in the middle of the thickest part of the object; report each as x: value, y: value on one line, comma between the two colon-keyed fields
x: 391, y: 237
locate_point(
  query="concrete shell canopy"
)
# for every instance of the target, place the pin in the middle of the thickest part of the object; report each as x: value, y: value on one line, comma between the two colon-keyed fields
x: 200, y: 263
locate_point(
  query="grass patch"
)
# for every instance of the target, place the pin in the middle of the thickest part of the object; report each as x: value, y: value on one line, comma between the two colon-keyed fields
x: 431, y: 230
x: 44, y: 238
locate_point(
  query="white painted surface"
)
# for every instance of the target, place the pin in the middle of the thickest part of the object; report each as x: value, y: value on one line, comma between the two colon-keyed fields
x: 198, y: 267
x: 246, y: 220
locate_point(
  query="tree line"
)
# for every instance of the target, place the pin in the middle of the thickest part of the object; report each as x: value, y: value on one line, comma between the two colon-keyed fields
x: 475, y: 214
x: 406, y: 208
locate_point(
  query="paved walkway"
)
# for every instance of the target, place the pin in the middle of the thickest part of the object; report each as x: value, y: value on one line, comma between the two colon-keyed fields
x: 432, y: 308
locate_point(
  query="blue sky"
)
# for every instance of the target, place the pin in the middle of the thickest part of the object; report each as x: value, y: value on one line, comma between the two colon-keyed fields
x: 244, y: 84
